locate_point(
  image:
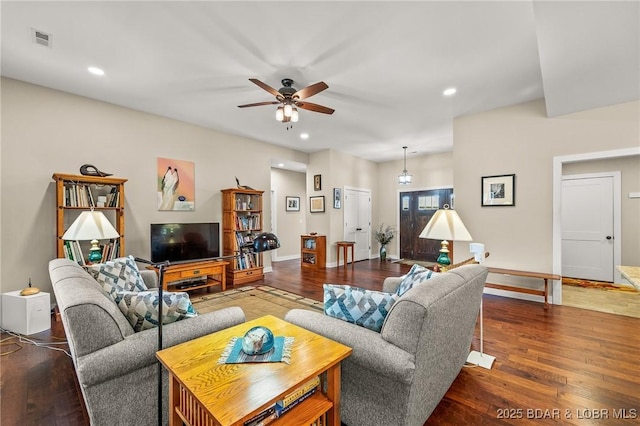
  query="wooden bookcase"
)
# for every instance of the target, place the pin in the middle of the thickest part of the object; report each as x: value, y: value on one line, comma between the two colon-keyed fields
x: 77, y: 193
x: 241, y: 222
x: 313, y: 251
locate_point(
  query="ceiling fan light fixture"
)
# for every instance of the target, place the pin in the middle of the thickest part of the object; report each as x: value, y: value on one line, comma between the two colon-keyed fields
x: 288, y: 110
x: 280, y: 114
x: 294, y: 115
x: 404, y: 178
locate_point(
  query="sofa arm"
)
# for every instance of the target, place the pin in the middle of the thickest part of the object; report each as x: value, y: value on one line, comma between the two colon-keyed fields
x: 150, y: 277
x: 139, y: 350
x: 369, y: 349
x: 390, y: 284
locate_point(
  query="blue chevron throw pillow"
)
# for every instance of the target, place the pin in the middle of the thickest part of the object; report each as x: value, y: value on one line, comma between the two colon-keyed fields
x: 416, y: 275
x: 366, y: 308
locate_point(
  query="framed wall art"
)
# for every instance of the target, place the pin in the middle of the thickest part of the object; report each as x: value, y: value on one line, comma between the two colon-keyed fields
x: 292, y: 204
x: 498, y: 191
x: 337, y: 198
x: 316, y: 204
x: 317, y: 182
x: 175, y: 184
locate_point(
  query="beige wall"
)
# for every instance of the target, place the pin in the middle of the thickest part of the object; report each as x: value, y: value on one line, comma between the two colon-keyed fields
x: 629, y: 168
x: 520, y: 139
x: 288, y: 225
x: 46, y: 131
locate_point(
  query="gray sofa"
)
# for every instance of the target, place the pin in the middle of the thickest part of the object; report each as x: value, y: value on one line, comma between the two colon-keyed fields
x: 117, y: 367
x: 398, y: 376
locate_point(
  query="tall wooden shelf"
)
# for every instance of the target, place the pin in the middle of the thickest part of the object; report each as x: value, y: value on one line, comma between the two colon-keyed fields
x: 313, y: 251
x: 241, y: 222
x: 77, y: 193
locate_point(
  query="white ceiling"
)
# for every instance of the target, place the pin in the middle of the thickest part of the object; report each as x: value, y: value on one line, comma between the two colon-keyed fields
x: 386, y: 63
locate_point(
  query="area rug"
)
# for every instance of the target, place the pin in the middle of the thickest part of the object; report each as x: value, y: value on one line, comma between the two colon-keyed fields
x: 577, y: 282
x: 255, y: 301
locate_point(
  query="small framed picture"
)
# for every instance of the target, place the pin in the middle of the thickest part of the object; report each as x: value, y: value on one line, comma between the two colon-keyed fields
x: 337, y: 198
x: 499, y: 191
x: 317, y: 182
x: 316, y: 204
x: 292, y: 204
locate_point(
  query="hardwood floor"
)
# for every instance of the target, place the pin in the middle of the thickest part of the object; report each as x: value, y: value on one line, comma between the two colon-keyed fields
x: 565, y: 365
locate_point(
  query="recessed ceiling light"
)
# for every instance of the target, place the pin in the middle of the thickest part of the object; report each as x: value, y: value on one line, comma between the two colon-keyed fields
x: 450, y: 91
x: 304, y: 135
x: 95, y: 71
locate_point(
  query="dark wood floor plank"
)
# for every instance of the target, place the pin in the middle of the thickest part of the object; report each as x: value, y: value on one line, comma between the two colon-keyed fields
x: 555, y: 366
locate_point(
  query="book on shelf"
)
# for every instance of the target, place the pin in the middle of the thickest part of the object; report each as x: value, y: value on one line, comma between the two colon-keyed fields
x: 297, y: 396
x: 263, y: 418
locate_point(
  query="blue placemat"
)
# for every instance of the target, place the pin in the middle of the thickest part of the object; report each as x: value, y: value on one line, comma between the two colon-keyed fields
x: 281, y: 352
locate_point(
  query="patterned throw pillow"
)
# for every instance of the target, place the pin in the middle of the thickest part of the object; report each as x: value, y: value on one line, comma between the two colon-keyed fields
x: 116, y: 275
x: 141, y: 308
x: 366, y: 308
x: 416, y: 275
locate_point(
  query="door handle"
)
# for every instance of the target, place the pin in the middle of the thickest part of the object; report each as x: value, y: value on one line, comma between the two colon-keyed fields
x: 609, y: 237
x: 358, y: 229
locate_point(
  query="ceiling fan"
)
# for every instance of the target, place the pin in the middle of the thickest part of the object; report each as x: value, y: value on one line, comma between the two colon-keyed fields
x: 290, y: 99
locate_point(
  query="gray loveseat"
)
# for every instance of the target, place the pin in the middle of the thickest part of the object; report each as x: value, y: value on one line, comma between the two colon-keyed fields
x: 117, y: 367
x: 398, y: 376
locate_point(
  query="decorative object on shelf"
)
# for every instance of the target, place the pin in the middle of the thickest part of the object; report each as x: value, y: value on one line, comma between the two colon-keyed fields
x: 257, y: 341
x: 29, y: 291
x: 317, y: 182
x: 383, y: 236
x: 404, y: 178
x: 91, y: 170
x: 280, y: 350
x: 91, y: 225
x: 292, y: 204
x: 445, y: 225
x: 265, y: 241
x: 176, y: 185
x: 242, y: 186
x: 498, y: 191
x: 316, y: 204
x: 337, y: 198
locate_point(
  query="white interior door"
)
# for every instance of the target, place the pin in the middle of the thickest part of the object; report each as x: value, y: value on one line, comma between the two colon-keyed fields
x: 357, y: 221
x: 587, y: 228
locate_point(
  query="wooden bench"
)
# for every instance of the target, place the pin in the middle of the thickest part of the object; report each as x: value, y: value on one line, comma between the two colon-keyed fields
x: 516, y: 273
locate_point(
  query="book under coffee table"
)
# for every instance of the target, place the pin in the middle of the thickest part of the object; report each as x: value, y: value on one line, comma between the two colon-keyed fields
x: 203, y: 392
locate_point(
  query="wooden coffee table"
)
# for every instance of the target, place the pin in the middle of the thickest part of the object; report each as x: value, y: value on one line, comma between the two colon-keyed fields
x: 203, y: 392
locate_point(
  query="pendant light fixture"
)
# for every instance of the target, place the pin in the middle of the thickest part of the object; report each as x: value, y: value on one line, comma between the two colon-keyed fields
x: 405, y: 177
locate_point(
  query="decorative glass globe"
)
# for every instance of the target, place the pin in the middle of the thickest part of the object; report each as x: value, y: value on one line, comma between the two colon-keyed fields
x: 257, y: 341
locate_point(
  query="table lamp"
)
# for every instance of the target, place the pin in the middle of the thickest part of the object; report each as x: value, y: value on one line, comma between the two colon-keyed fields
x: 445, y: 225
x: 91, y: 225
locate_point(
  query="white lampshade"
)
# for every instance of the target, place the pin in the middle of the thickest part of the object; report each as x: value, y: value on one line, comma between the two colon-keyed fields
x: 91, y: 225
x: 446, y: 225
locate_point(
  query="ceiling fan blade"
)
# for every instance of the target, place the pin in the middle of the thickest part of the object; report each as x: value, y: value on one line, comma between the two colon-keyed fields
x: 314, y: 107
x: 266, y: 87
x: 310, y: 90
x: 259, y: 104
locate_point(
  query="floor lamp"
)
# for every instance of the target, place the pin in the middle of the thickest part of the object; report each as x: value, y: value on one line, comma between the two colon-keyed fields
x: 264, y: 241
x: 480, y: 358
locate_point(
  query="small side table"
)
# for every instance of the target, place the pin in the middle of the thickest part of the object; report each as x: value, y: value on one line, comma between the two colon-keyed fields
x: 345, y: 245
x: 26, y: 314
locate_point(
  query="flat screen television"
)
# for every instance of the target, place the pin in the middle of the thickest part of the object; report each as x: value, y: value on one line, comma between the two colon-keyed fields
x: 184, y: 241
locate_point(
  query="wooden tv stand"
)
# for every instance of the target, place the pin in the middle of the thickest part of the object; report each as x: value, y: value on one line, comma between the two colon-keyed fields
x: 212, y: 270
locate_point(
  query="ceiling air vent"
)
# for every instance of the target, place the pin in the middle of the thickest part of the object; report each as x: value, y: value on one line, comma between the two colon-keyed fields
x: 41, y: 38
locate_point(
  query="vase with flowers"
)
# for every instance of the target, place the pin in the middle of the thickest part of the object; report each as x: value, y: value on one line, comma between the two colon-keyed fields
x: 383, y: 236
